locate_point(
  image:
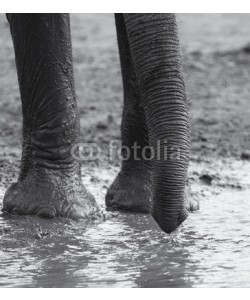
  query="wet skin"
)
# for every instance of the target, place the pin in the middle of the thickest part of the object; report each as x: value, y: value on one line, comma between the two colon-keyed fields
x: 155, y: 109
x: 50, y: 183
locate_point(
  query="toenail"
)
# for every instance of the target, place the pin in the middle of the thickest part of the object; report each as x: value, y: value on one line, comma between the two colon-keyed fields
x: 14, y: 211
x: 46, y: 213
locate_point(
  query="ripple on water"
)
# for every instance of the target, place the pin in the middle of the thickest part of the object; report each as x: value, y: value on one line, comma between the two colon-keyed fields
x: 211, y: 249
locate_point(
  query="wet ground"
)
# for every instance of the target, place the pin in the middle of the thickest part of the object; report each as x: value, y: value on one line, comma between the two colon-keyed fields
x: 212, y: 248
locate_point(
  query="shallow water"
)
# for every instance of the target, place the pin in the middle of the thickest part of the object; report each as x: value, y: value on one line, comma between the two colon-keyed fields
x: 211, y: 249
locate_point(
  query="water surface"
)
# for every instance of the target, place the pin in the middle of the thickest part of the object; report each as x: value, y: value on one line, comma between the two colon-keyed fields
x: 211, y: 249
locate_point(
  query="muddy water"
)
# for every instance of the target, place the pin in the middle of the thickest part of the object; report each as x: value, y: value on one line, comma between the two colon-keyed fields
x: 211, y: 249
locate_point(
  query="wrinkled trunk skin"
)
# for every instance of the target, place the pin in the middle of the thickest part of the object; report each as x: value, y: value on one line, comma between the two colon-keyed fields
x: 49, y: 184
x: 155, y: 52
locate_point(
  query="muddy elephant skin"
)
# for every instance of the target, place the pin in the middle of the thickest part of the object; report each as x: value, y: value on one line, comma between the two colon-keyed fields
x: 155, y: 117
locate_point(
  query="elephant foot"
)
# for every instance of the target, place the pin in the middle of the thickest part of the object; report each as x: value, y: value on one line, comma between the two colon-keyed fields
x: 192, y: 204
x: 50, y: 196
x: 130, y: 193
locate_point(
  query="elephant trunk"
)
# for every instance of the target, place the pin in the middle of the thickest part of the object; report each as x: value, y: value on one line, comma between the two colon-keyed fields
x: 154, y: 46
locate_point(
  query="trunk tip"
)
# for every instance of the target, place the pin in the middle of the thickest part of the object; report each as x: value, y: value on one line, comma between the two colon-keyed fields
x: 169, y: 223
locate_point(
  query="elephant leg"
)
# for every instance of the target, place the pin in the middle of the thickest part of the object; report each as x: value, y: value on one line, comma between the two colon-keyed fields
x: 131, y: 189
x: 154, y: 46
x: 49, y: 183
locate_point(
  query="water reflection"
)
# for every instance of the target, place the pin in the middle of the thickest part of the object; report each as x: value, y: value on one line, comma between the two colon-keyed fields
x: 211, y: 249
